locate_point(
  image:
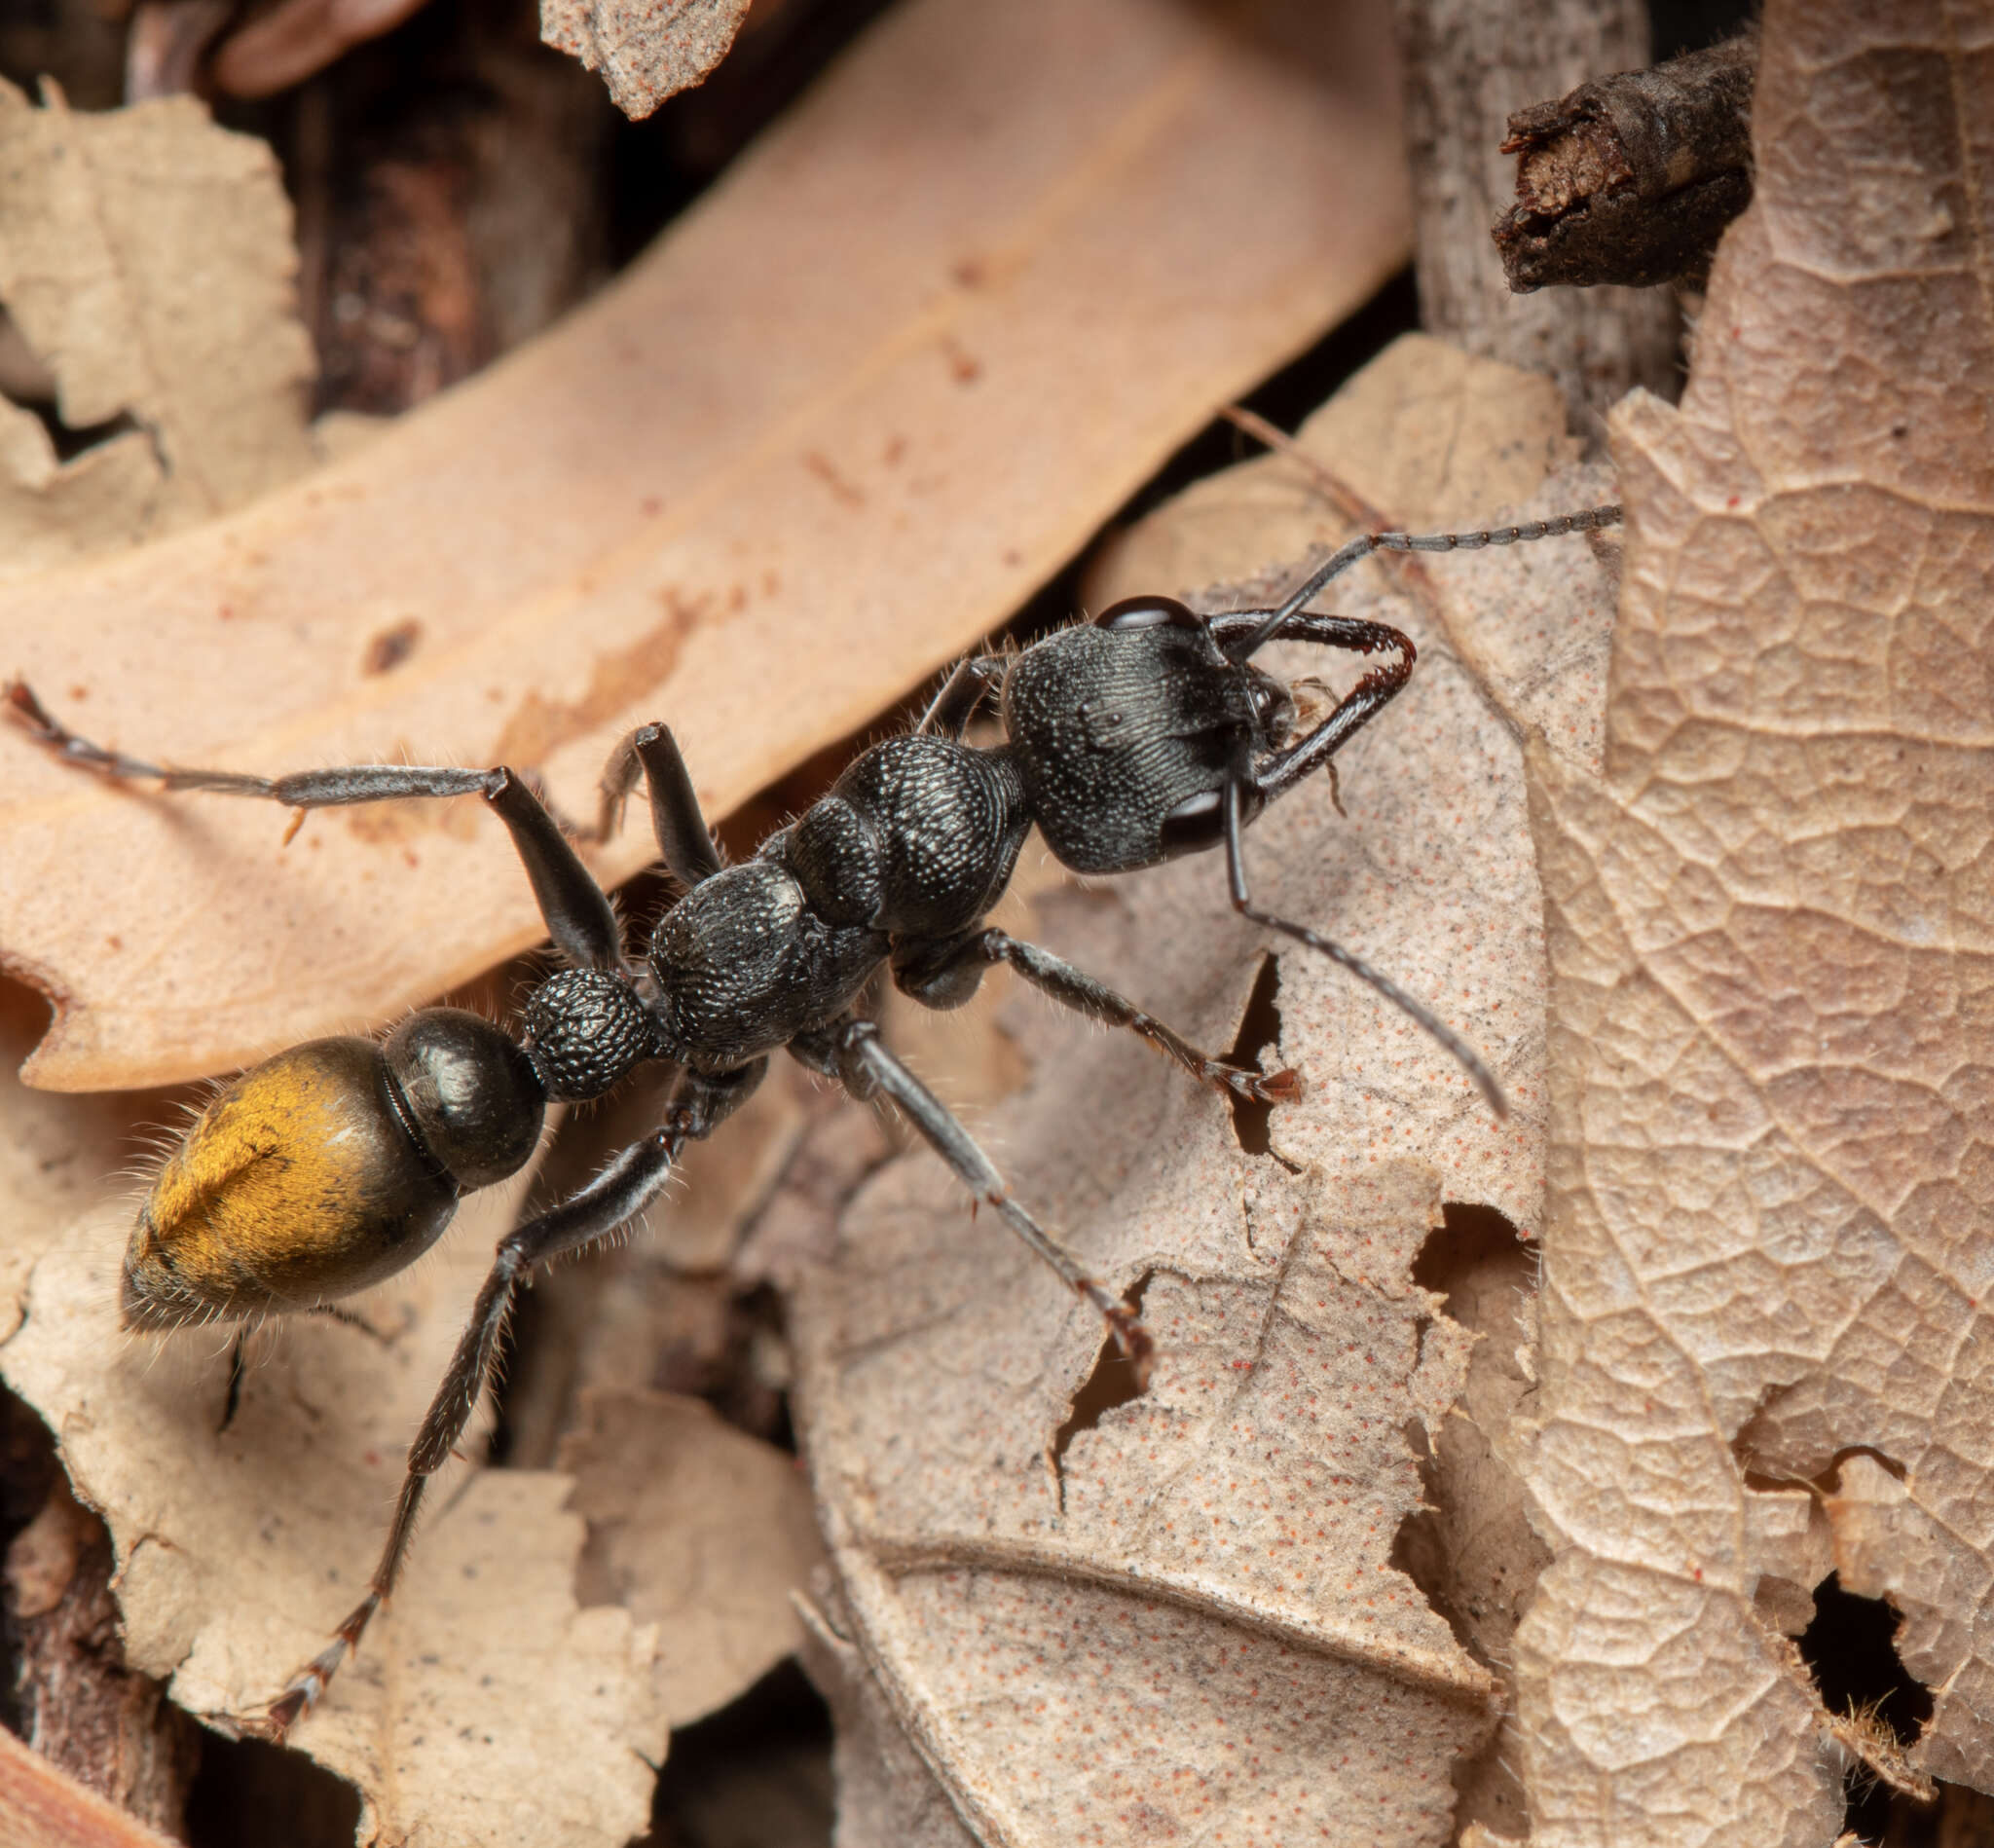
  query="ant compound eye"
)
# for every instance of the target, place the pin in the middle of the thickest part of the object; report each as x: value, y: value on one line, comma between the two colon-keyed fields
x: 1195, y: 824
x: 1147, y: 613
x: 300, y: 1182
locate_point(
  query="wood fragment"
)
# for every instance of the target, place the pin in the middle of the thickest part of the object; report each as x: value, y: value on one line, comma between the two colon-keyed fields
x: 83, y: 1711
x: 1632, y: 180
x: 1468, y: 66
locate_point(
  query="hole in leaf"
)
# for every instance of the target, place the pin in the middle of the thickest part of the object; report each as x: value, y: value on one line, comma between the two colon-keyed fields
x: 1259, y: 1029
x: 248, y: 1794
x: 232, y: 1403
x: 756, y: 1771
x: 1851, y: 1646
x: 1459, y: 1254
x: 1112, y: 1383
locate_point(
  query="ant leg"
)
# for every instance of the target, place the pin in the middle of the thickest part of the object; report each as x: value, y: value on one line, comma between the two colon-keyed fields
x: 853, y: 1053
x: 683, y: 838
x: 936, y: 969
x: 628, y: 1185
x: 961, y: 694
x: 1238, y: 788
x: 577, y: 913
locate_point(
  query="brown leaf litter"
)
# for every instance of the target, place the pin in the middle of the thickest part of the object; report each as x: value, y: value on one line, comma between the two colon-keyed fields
x: 1765, y: 1345
x: 646, y: 50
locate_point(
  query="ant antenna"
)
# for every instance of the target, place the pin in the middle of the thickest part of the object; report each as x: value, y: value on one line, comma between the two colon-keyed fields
x: 1591, y: 520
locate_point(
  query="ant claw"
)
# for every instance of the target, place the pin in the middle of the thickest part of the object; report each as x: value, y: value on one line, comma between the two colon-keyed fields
x: 1283, y: 1087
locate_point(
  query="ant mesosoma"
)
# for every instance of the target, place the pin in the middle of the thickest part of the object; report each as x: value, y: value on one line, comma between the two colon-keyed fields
x: 1143, y: 735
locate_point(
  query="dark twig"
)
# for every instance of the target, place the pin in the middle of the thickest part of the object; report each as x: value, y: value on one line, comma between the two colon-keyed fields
x: 1632, y: 180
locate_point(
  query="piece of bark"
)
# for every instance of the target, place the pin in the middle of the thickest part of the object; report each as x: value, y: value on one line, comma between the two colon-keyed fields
x: 1468, y: 65
x: 286, y: 43
x: 108, y: 1726
x: 450, y: 203
x: 1632, y: 180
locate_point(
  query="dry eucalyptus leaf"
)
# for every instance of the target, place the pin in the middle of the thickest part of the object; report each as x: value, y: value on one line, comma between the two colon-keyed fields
x: 646, y: 50
x: 851, y: 410
x: 1768, y: 1249
x: 1125, y: 1617
x: 146, y: 257
x: 483, y: 1705
x: 42, y: 1806
x: 698, y: 1528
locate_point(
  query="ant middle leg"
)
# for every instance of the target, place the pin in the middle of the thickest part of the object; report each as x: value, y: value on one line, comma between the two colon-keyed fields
x: 944, y: 975
x: 852, y: 1052
x: 578, y: 912
x: 961, y: 696
x: 593, y: 1213
x: 690, y: 853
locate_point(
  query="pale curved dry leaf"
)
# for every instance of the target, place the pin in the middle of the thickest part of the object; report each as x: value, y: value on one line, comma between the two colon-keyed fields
x: 646, y: 50
x: 698, y: 1528
x: 146, y: 257
x: 1768, y: 923
x: 837, y: 425
x: 1182, y: 1613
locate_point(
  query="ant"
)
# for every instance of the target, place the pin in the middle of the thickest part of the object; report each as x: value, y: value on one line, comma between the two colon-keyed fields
x: 1145, y: 735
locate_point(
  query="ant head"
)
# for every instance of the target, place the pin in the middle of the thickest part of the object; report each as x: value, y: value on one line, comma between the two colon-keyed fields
x: 1127, y: 729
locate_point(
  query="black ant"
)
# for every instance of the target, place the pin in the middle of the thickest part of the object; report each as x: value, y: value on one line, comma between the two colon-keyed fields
x: 1140, y: 736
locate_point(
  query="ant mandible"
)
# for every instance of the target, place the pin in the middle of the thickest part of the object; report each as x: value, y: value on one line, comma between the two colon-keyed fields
x: 1143, y: 735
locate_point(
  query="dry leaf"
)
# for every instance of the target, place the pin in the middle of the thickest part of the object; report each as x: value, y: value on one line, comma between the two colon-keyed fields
x: 1768, y: 1247
x: 885, y: 1793
x: 146, y: 256
x: 646, y: 50
x: 845, y: 417
x: 698, y: 1528
x: 1112, y: 1618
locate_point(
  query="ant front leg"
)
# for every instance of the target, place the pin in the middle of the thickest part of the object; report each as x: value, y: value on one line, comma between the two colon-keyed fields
x: 1237, y: 792
x: 577, y: 913
x: 853, y: 1053
x: 944, y: 975
x: 610, y: 1201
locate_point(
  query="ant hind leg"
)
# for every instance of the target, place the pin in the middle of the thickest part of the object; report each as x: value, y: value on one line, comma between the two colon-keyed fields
x: 577, y: 913
x: 617, y: 1196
